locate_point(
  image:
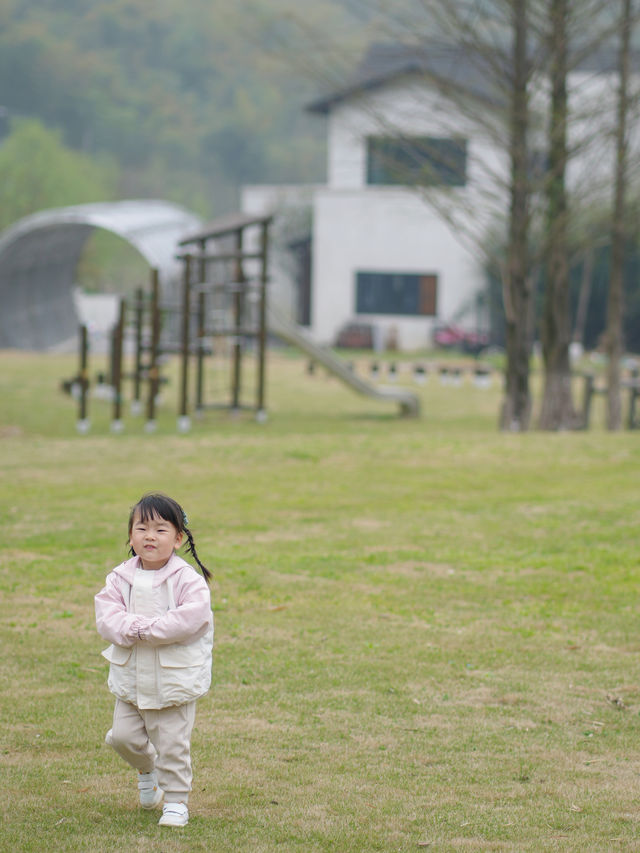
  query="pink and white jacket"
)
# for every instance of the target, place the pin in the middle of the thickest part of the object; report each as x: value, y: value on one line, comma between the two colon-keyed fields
x: 160, y: 626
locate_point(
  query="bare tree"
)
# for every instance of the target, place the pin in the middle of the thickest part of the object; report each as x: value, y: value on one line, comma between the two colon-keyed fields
x: 516, y: 407
x: 496, y: 39
x: 614, y: 337
x: 557, y: 409
x: 525, y: 49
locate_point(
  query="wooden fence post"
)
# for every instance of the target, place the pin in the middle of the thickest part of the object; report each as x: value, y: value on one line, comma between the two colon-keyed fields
x: 136, y: 404
x: 154, y: 344
x: 117, y: 424
x: 261, y: 412
x: 184, y: 421
x: 586, y: 400
x: 83, y: 425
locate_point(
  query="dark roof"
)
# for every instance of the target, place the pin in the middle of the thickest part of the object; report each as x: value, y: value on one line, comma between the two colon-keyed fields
x: 444, y: 64
x: 448, y: 67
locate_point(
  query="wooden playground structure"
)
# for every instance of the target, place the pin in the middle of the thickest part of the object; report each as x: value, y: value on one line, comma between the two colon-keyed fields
x: 216, y: 319
x: 220, y: 311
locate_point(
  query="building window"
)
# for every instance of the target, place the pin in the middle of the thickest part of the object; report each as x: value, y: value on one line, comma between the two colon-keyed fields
x: 409, y: 294
x: 414, y: 160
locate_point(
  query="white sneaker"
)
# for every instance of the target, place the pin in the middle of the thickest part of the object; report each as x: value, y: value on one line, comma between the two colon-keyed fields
x: 150, y: 795
x: 174, y: 814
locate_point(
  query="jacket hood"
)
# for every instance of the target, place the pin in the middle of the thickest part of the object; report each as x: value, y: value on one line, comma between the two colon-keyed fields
x: 127, y: 570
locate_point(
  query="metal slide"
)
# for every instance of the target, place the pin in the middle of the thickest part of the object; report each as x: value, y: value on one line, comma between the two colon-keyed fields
x: 295, y: 335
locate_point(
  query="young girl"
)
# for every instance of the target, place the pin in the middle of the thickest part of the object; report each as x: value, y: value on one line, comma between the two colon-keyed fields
x: 155, y: 610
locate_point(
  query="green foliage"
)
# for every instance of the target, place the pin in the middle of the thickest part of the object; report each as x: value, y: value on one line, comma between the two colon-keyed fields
x: 190, y: 98
x: 37, y: 171
x: 110, y: 265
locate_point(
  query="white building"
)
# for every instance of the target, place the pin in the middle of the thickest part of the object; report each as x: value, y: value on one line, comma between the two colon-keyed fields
x: 402, y: 260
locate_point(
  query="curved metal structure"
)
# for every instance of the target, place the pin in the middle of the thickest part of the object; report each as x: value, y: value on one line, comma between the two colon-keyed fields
x: 39, y: 255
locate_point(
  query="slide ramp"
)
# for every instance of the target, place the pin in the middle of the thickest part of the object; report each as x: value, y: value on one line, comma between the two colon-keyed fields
x: 296, y: 336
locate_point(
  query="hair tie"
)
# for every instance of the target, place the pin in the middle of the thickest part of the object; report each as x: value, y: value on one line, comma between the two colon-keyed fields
x: 184, y: 518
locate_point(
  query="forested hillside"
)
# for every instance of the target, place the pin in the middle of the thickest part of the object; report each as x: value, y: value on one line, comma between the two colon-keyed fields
x: 179, y: 99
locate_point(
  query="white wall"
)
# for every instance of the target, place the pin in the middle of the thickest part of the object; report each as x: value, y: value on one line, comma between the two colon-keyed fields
x: 593, y: 103
x: 360, y: 227
x: 405, y: 106
x: 593, y: 106
x: 384, y: 230
x: 393, y: 229
x: 390, y: 229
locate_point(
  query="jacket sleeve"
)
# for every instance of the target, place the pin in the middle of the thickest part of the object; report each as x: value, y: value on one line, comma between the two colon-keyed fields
x: 190, y: 620
x: 114, y: 623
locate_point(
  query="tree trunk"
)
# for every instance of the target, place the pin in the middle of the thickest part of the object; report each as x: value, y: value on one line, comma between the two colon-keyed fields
x: 615, y: 296
x: 557, y: 407
x: 516, y: 407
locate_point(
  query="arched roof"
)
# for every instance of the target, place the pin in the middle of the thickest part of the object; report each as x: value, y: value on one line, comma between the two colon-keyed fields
x: 39, y: 255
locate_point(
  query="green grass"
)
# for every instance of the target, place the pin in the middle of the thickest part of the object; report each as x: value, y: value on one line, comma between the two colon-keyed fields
x: 426, y: 630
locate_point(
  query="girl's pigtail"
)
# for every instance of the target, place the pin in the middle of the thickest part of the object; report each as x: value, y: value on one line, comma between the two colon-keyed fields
x: 191, y: 548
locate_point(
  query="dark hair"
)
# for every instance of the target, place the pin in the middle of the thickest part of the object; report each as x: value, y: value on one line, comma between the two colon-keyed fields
x: 155, y: 504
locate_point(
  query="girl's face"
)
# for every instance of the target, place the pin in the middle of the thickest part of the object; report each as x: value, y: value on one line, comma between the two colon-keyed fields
x: 154, y: 540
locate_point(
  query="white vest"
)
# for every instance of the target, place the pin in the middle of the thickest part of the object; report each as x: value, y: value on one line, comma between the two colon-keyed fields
x: 153, y: 677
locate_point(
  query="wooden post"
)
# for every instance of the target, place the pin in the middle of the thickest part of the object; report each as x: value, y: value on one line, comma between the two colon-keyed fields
x: 238, y: 301
x: 261, y: 412
x: 83, y: 423
x: 136, y: 405
x: 184, y: 421
x: 154, y: 345
x: 117, y: 424
x: 202, y: 277
x: 586, y: 403
x: 633, y: 393
x: 200, y: 352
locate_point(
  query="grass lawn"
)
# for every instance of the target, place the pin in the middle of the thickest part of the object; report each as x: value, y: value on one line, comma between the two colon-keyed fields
x: 426, y: 630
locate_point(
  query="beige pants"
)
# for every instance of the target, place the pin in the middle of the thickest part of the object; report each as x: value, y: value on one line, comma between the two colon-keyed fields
x: 157, y: 740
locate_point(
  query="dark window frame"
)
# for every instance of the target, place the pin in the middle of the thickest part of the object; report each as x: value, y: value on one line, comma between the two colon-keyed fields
x: 396, y: 294
x: 416, y: 160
